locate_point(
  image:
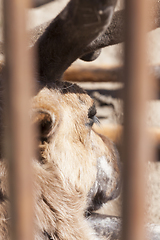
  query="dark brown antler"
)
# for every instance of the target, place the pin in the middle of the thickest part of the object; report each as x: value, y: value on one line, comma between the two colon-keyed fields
x: 115, y: 32
x: 70, y: 33
x: 113, y: 35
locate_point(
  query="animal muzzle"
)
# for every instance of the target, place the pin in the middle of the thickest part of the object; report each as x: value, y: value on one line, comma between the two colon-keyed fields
x: 107, y: 184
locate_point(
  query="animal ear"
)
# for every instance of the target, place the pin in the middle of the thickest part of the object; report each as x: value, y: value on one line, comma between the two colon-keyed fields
x: 45, y: 122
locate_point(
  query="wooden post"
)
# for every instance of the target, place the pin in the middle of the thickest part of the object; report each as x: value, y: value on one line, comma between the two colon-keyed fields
x: 137, y: 92
x: 19, y: 141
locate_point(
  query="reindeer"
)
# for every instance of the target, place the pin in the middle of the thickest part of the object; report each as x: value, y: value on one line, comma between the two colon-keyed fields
x: 76, y: 170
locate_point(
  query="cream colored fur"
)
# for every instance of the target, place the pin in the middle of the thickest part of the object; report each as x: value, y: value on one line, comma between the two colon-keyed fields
x: 66, y: 167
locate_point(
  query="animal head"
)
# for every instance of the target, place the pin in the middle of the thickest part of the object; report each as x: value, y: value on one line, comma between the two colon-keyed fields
x: 85, y: 164
x: 75, y: 170
x: 88, y: 161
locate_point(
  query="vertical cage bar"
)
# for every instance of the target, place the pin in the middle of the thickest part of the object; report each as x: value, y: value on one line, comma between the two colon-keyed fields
x: 19, y: 142
x: 136, y: 144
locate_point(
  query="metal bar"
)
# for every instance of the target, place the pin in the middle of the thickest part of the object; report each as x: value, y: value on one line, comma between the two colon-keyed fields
x: 115, y: 133
x: 82, y: 73
x: 136, y: 147
x: 94, y: 74
x: 19, y: 142
x: 100, y: 74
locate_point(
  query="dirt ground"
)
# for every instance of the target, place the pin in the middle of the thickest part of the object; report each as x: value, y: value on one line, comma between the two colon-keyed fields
x: 111, y: 110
